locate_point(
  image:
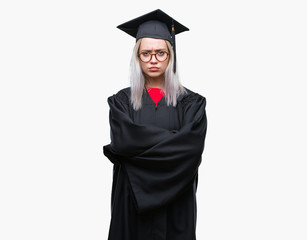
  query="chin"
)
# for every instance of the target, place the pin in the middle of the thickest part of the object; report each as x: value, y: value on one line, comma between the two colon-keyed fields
x: 154, y: 74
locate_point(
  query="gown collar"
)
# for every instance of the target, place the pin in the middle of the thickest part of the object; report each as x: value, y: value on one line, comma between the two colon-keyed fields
x: 148, y: 100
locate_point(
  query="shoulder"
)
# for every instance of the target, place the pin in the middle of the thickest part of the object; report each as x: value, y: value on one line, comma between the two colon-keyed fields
x: 124, y: 91
x: 122, y: 95
x: 191, y: 97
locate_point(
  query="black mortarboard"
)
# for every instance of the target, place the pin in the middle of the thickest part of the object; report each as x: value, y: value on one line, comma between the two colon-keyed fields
x: 156, y: 24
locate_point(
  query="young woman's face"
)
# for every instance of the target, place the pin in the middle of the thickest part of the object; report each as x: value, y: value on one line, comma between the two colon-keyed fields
x: 154, y: 69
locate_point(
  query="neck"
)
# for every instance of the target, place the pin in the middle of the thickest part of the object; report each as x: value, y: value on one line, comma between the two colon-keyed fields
x: 154, y: 82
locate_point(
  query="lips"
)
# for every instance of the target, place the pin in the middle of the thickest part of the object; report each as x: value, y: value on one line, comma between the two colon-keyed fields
x: 153, y: 69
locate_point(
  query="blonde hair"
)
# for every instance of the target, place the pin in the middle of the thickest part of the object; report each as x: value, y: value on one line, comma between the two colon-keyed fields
x: 171, y: 86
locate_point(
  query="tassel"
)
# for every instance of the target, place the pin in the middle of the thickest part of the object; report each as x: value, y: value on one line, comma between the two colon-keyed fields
x: 174, y: 45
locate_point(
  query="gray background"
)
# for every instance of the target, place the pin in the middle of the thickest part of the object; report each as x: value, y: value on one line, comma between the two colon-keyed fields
x: 60, y: 60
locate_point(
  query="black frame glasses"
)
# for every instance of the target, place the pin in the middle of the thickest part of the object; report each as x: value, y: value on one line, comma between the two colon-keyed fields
x: 164, y: 52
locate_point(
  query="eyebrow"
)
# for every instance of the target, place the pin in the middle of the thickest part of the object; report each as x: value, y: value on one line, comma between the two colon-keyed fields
x: 156, y: 50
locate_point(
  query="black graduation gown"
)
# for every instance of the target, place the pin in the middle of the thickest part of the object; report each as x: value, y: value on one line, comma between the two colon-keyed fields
x: 156, y: 152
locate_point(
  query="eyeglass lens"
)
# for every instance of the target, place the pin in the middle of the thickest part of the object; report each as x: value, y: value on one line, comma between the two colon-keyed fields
x: 160, y: 56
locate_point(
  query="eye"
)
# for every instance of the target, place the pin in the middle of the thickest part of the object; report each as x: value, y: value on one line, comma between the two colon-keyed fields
x: 145, y: 54
x: 161, y: 53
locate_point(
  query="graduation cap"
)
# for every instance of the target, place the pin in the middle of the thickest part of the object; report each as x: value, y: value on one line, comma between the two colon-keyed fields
x: 156, y: 24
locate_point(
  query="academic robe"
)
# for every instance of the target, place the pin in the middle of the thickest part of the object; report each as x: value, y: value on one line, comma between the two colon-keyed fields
x: 156, y: 152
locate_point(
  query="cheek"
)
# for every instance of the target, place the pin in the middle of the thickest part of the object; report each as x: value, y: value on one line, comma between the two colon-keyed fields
x: 165, y: 65
x: 142, y: 66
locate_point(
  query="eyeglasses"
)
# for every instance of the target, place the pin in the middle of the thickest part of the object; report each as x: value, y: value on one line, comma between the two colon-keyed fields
x: 147, y: 56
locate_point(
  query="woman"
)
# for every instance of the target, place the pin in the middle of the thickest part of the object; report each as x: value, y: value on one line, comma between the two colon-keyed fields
x: 158, y: 129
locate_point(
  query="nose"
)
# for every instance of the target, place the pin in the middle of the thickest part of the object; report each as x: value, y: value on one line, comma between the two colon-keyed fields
x: 153, y: 59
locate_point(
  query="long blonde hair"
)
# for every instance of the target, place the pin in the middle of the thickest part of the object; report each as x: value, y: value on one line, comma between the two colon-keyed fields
x: 172, y: 86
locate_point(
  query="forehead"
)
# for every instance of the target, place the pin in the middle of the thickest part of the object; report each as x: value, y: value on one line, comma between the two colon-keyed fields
x: 152, y: 43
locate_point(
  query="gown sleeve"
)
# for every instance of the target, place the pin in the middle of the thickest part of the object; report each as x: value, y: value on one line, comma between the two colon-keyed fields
x: 161, y: 167
x: 127, y: 137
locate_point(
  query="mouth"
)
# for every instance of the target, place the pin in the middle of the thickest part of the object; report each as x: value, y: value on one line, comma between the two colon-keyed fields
x: 154, y: 69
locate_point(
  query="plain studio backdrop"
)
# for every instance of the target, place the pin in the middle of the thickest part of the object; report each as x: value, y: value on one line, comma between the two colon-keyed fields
x: 61, y: 60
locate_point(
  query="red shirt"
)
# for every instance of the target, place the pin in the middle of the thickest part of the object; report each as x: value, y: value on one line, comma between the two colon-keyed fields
x: 155, y: 93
